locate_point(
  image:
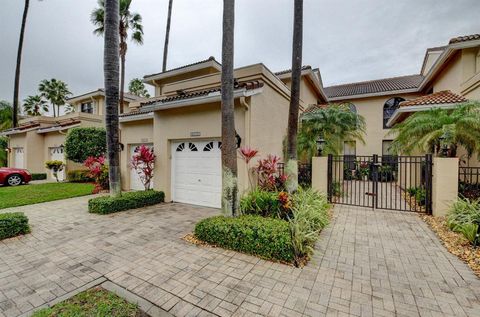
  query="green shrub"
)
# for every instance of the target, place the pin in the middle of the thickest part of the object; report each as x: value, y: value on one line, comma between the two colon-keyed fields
x: 260, y: 202
x: 464, y: 218
x: 419, y: 193
x: 13, y: 224
x: 3, y: 152
x: 265, y: 237
x: 309, y: 217
x: 131, y: 200
x: 39, y: 176
x: 81, y: 143
x: 79, y: 176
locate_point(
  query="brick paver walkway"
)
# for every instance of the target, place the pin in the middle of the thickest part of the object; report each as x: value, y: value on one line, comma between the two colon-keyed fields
x: 367, y: 263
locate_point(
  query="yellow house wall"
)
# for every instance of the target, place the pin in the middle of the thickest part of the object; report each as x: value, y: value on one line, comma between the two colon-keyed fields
x: 450, y: 78
x: 372, y: 110
x: 132, y: 134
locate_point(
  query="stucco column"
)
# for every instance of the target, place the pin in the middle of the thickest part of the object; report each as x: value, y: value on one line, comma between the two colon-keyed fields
x: 444, y: 184
x: 320, y: 174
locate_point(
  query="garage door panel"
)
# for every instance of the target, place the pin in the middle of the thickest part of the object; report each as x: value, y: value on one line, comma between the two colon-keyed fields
x: 197, y: 174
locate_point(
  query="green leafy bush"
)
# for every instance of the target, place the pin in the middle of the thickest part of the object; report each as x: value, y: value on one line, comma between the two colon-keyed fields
x: 80, y: 176
x: 13, y: 224
x: 39, y: 176
x: 131, y: 200
x: 265, y: 237
x: 464, y: 218
x: 260, y: 202
x: 84, y: 142
x: 419, y: 193
x: 309, y: 217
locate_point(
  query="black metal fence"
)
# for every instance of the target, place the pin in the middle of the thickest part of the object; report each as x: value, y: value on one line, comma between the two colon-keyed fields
x: 304, y: 173
x: 384, y: 182
x: 469, y: 182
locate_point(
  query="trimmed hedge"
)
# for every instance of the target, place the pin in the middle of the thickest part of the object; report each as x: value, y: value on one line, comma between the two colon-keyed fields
x: 13, y: 224
x: 265, y: 237
x: 131, y: 200
x: 79, y: 176
x: 39, y: 176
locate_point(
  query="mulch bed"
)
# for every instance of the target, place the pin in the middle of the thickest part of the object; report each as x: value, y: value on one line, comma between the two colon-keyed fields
x: 455, y: 242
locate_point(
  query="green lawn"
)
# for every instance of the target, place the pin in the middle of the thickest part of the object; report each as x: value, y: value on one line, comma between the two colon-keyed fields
x: 95, y: 302
x: 32, y: 194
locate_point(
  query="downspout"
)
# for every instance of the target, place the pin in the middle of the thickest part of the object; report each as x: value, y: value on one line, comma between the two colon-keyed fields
x: 247, y: 127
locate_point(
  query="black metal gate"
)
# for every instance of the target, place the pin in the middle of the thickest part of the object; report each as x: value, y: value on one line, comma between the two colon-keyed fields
x: 382, y: 182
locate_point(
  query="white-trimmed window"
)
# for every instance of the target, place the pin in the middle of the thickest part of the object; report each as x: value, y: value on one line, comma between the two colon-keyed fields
x: 86, y: 107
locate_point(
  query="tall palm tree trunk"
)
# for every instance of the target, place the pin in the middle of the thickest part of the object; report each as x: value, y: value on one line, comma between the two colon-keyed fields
x: 292, y: 165
x: 19, y: 63
x: 111, y: 72
x: 54, y: 111
x: 167, y: 36
x: 122, y: 83
x: 229, y: 153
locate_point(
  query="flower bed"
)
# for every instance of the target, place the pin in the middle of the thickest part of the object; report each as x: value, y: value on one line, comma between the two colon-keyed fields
x: 132, y: 200
x: 13, y: 224
x: 275, y: 225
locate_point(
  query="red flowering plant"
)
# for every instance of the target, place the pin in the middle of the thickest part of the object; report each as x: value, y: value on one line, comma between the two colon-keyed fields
x: 98, y: 170
x: 268, y: 175
x: 247, y: 153
x: 143, y: 162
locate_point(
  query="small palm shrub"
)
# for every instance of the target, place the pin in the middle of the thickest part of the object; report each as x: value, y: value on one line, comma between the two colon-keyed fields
x: 419, y: 193
x: 55, y: 167
x: 464, y: 218
x: 309, y: 217
x: 265, y: 203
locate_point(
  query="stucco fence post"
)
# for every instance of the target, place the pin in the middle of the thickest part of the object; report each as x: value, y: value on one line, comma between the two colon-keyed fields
x: 320, y: 174
x: 444, y: 185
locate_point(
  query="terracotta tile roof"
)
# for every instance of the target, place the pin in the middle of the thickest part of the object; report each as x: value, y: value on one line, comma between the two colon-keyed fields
x: 249, y: 85
x: 211, y: 58
x: 464, y: 38
x: 313, y: 108
x: 374, y: 86
x: 441, y: 97
x: 286, y: 71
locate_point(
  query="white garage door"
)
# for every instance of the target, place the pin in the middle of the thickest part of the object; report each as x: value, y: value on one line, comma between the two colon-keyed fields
x: 135, y: 182
x: 18, y: 157
x: 56, y: 154
x: 196, y: 173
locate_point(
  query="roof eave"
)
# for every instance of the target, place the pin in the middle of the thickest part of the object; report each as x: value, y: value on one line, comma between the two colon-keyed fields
x: 149, y: 79
x: 211, y: 97
x: 376, y: 94
x: 408, y: 109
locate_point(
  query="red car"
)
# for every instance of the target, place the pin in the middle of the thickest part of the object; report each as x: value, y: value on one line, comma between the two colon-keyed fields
x: 14, y: 176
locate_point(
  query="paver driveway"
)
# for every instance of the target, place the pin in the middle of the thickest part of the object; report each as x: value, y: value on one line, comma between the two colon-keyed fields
x: 367, y: 263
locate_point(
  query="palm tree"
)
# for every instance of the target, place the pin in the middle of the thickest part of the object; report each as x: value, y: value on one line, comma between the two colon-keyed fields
x: 6, y: 115
x: 55, y: 91
x: 35, y: 105
x: 334, y: 124
x: 291, y: 168
x: 128, y: 22
x: 230, y: 200
x: 167, y: 35
x: 19, y: 63
x: 137, y: 87
x: 430, y: 130
x: 111, y: 73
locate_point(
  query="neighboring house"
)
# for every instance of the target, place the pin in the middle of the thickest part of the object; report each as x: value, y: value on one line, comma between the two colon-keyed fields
x: 183, y: 124
x: 453, y: 70
x: 40, y: 139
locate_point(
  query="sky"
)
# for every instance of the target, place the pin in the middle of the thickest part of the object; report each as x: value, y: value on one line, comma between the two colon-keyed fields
x: 349, y: 40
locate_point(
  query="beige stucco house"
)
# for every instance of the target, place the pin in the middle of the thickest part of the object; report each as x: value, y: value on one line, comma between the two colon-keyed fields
x: 182, y: 122
x: 40, y: 138
x: 453, y: 69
